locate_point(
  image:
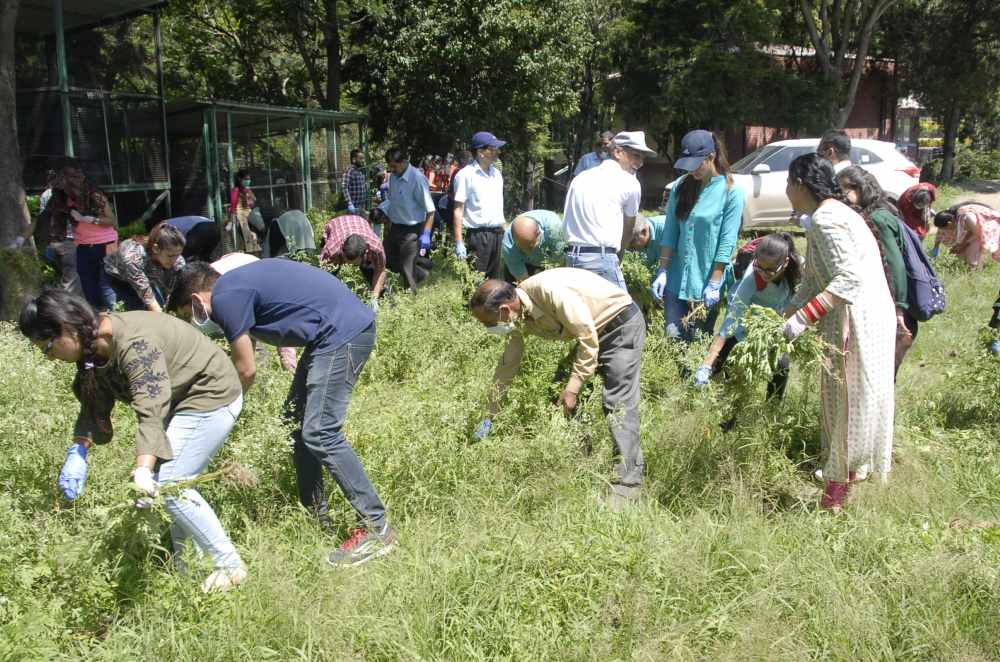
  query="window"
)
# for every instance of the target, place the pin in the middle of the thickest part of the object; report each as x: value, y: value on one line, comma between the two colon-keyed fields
x: 861, y: 156
x: 780, y: 161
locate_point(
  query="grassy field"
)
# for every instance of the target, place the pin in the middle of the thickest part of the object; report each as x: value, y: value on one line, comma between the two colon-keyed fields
x: 507, y: 550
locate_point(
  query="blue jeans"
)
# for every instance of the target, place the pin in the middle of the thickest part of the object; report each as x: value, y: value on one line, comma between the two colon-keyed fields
x: 195, y: 437
x: 604, y: 264
x: 96, y: 286
x: 317, y: 403
x: 675, y: 309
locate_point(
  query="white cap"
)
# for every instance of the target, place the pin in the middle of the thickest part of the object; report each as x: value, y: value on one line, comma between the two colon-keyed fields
x: 633, y: 140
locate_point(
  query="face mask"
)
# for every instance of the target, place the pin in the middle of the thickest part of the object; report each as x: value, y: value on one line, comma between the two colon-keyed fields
x: 500, y: 328
x: 805, y: 221
x: 246, y: 183
x: 203, y: 322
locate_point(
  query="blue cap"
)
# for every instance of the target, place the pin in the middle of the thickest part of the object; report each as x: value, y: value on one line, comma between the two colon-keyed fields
x: 486, y: 139
x: 695, y: 146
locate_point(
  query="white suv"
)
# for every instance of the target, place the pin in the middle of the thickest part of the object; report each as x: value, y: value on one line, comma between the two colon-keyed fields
x: 762, y: 175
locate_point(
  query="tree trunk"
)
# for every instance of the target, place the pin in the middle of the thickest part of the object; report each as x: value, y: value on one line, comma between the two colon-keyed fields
x: 332, y: 42
x: 950, y: 135
x: 14, y: 219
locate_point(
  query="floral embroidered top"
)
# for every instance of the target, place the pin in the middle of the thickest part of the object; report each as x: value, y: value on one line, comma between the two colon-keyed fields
x: 160, y: 365
x: 131, y: 263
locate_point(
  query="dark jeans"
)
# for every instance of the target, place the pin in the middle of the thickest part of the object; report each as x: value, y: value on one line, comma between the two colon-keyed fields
x: 778, y: 383
x: 317, y: 403
x: 126, y: 294
x: 402, y: 252
x: 484, y: 244
x: 94, y: 281
x: 62, y: 256
x: 201, y: 241
x: 619, y: 362
x: 676, y: 309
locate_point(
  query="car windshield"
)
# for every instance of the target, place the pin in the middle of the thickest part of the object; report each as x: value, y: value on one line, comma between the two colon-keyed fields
x: 744, y: 165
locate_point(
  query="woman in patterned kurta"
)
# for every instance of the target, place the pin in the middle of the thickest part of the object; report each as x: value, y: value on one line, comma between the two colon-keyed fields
x: 844, y: 292
x: 970, y: 230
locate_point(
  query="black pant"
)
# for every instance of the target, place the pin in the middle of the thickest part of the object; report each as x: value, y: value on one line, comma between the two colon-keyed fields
x: 778, y: 383
x: 402, y: 251
x: 485, y: 244
x: 995, y: 320
x: 201, y: 241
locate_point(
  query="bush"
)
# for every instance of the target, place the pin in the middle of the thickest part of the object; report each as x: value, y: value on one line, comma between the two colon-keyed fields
x: 970, y: 163
x: 20, y: 279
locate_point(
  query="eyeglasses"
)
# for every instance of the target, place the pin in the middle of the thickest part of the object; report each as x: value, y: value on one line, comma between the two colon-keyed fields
x: 47, y: 349
x: 771, y: 272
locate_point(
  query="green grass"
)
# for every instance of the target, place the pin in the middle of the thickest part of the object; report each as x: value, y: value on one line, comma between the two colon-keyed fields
x: 506, y: 548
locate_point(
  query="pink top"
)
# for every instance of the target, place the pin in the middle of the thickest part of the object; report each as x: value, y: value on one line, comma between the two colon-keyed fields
x: 88, y: 233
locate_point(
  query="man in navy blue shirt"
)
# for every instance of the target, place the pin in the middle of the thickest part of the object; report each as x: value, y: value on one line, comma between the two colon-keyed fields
x: 290, y: 304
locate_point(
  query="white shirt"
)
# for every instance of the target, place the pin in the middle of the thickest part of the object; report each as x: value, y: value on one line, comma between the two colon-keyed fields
x: 482, y: 194
x: 597, y: 203
x: 840, y: 165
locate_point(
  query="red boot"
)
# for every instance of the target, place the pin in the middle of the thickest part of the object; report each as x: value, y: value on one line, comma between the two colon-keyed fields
x: 835, y: 495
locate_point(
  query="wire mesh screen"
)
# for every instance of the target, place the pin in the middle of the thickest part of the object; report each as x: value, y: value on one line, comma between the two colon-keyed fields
x: 268, y: 147
x: 120, y: 57
x: 40, y: 136
x: 189, y: 186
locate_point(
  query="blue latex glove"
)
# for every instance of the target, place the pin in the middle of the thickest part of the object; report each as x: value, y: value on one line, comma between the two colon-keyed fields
x: 711, y: 293
x: 74, y: 472
x: 659, y: 284
x: 995, y: 346
x: 483, y: 429
x: 702, y: 375
x: 460, y: 251
x: 425, y: 241
x: 935, y: 251
x: 351, y: 208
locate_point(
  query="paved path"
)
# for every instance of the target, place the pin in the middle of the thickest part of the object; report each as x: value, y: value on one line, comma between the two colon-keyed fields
x: 986, y: 191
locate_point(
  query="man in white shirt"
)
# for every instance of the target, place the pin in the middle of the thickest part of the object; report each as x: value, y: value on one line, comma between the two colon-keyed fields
x: 410, y: 210
x: 478, y: 207
x: 835, y: 146
x: 601, y: 207
x: 602, y: 152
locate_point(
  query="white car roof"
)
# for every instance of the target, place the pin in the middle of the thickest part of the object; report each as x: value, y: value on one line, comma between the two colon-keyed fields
x: 809, y: 142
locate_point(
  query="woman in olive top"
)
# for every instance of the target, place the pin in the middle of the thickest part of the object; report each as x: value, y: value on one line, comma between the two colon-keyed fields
x: 864, y: 192
x: 185, y: 394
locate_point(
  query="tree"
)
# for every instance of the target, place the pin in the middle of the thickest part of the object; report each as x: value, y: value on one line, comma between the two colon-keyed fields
x: 841, y: 32
x: 952, y: 65
x: 435, y: 72
x: 14, y: 217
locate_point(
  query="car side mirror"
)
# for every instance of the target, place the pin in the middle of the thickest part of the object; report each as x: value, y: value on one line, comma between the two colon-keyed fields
x: 760, y: 169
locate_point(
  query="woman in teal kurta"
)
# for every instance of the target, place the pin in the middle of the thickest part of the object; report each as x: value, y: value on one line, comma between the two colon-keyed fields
x: 703, y: 220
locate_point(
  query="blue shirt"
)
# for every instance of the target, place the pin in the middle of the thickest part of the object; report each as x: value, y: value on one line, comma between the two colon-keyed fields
x: 588, y: 161
x: 651, y: 254
x: 708, y: 235
x: 185, y: 223
x: 775, y: 296
x: 551, y: 245
x: 409, y: 198
x: 288, y: 304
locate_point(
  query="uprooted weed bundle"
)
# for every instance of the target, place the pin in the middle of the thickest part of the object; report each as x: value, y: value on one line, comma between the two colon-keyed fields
x: 755, y: 359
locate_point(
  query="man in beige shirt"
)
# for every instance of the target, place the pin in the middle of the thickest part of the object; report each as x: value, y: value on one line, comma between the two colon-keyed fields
x: 574, y: 304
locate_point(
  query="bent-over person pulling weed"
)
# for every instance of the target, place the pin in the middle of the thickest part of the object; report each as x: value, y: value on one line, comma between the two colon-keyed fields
x: 844, y: 292
x: 574, y: 304
x: 290, y: 304
x: 770, y: 282
x: 184, y: 391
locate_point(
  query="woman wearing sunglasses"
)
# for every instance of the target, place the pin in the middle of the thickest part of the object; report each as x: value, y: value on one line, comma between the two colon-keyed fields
x: 770, y: 282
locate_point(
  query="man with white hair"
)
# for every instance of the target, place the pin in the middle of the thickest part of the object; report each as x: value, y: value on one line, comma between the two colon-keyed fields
x: 646, y: 234
x: 601, y: 206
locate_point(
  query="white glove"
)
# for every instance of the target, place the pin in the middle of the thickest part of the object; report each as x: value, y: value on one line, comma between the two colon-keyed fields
x: 659, y: 284
x: 142, y: 478
x: 794, y: 327
x: 373, y: 304
x: 460, y: 251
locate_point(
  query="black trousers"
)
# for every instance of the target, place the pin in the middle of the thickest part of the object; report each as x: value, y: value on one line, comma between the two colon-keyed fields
x: 402, y: 253
x: 484, y: 244
x: 532, y: 270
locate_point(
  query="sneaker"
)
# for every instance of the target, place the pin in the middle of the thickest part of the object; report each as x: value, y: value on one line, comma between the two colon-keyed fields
x: 363, y: 546
x: 224, y: 579
x: 855, y: 476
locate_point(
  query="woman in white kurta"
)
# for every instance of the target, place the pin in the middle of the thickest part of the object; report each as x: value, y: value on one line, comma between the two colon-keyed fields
x: 844, y: 293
